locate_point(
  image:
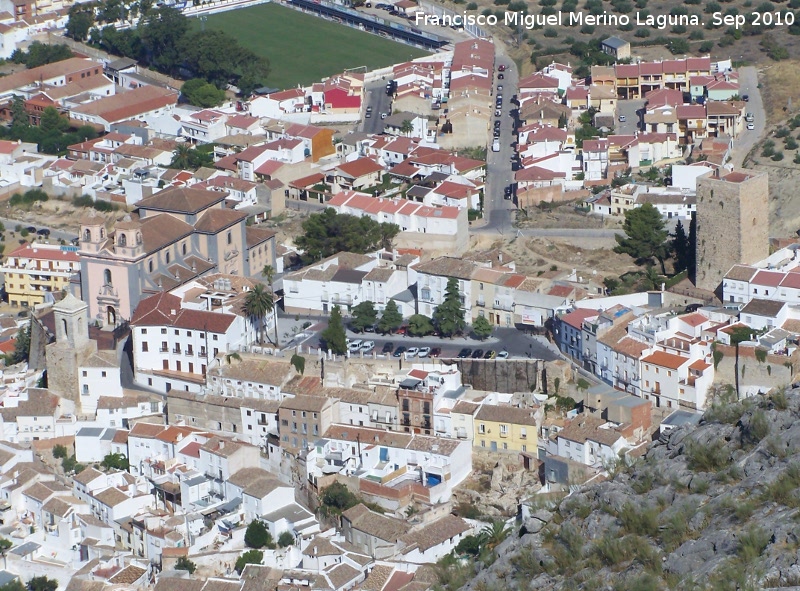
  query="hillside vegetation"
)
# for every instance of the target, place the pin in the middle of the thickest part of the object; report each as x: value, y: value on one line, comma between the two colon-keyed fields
x: 713, y: 508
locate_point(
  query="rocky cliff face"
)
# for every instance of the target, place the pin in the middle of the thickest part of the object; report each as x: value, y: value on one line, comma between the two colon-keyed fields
x: 716, y: 507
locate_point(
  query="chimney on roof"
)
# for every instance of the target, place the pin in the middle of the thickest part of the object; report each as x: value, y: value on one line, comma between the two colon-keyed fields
x: 172, y: 312
x: 222, y: 445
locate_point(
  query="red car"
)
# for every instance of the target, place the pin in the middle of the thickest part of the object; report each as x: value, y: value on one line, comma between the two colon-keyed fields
x: 501, y: 68
x: 402, y: 330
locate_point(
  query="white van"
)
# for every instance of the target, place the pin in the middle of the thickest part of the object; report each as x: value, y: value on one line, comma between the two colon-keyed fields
x: 496, y: 146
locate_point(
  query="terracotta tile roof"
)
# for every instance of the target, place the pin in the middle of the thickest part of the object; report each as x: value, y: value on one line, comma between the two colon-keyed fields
x: 181, y: 200
x: 766, y: 308
x: 306, y: 403
x: 111, y: 497
x: 128, y: 575
x: 767, y: 278
x: 63, y: 68
x: 259, y: 371
x: 447, y: 267
x: 87, y: 475
x: 374, y: 524
x: 664, y: 359
x: 576, y: 317
x: 741, y: 273
x: 694, y: 319
x: 436, y: 533
x: 506, y: 414
x: 129, y: 104
x: 164, y: 309
x: 377, y: 578
x: 321, y: 546
x: 213, y: 221
x: 255, y: 236
x: 585, y: 428
x: 30, y: 251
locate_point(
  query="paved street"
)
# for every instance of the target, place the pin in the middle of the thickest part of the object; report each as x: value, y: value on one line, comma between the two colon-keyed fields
x: 497, y: 210
x: 629, y: 110
x: 748, y: 83
x: 55, y: 235
x: 380, y: 102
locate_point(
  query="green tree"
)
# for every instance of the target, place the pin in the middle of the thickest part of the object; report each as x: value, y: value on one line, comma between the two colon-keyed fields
x: 299, y: 363
x: 79, y: 23
x: 364, y: 315
x: 20, y: 120
x: 739, y: 334
x: 494, y: 534
x: 259, y: 302
x: 5, y: 546
x: 470, y: 545
x: 419, y: 325
x: 482, y: 327
x: 391, y: 319
x: 680, y: 246
x: 15, y: 585
x: 692, y: 248
x: 183, y: 563
x: 42, y: 583
x: 328, y: 233
x: 406, y: 127
x: 217, y: 57
x: 180, y: 158
x: 22, y: 346
x: 645, y: 236
x: 286, y: 539
x: 115, y: 462
x: 52, y: 121
x: 162, y: 32
x: 334, y: 336
x: 249, y: 557
x: 202, y: 93
x: 448, y: 318
x: 59, y: 451
x: 257, y: 535
x: 337, y: 497
x: 268, y: 273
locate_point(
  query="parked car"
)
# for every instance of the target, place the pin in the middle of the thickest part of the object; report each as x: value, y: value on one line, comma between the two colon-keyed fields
x: 43, y: 232
x: 500, y: 76
x: 751, y: 126
x: 499, y: 88
x: 355, y: 345
x: 31, y: 229
x: 383, y: 115
x: 424, y: 352
x: 502, y: 355
x: 411, y: 352
x: 370, y: 328
x: 387, y: 348
x: 402, y: 330
x: 490, y: 354
x: 464, y: 353
x: 367, y: 346
x: 368, y: 115
x: 498, y: 113
x: 746, y: 98
x: 399, y: 351
x: 496, y: 133
x: 622, y: 118
x: 477, y: 353
x: 436, y: 351
x: 501, y: 68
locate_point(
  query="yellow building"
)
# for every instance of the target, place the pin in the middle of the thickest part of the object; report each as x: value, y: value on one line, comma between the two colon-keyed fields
x: 35, y: 270
x: 505, y: 428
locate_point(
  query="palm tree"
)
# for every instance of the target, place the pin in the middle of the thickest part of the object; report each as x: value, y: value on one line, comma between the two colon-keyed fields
x: 494, y: 534
x: 268, y: 273
x: 181, y: 156
x: 258, y: 303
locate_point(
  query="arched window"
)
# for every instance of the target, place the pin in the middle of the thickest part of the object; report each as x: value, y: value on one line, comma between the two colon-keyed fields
x: 107, y: 277
x: 64, y: 326
x: 87, y: 235
x: 122, y: 240
x: 183, y: 248
x: 150, y: 266
x: 167, y: 257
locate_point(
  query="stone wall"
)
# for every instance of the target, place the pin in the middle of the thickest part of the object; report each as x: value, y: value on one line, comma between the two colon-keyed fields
x: 775, y: 371
x: 732, y: 225
x: 501, y: 375
x: 62, y: 368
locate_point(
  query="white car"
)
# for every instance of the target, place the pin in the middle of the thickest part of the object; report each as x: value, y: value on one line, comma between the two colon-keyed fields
x: 751, y: 126
x: 622, y: 118
x: 411, y: 352
x: 502, y: 355
x: 355, y: 345
x: 383, y: 115
x: 424, y: 352
x: 367, y: 346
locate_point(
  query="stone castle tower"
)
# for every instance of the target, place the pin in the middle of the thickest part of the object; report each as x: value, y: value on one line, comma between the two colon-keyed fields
x: 732, y: 223
x: 72, y: 347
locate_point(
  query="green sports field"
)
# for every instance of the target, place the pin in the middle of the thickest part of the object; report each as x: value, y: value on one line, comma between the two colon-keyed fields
x: 302, y: 48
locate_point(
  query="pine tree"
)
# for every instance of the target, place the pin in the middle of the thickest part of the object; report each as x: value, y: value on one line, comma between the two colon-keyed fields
x: 680, y: 246
x: 334, y: 336
x: 364, y: 316
x: 692, y: 258
x: 645, y: 236
x: 448, y: 318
